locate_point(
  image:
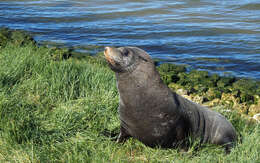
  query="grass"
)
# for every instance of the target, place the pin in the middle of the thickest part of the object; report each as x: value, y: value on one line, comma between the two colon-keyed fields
x: 66, y: 111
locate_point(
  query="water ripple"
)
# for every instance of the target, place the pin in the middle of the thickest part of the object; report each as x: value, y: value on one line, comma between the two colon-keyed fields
x: 218, y: 36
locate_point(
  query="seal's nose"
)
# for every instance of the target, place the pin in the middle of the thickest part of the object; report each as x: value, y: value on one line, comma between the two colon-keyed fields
x: 107, y: 49
x: 107, y: 54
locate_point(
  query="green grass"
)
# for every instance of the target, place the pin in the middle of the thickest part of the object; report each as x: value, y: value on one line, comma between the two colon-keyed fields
x: 66, y: 111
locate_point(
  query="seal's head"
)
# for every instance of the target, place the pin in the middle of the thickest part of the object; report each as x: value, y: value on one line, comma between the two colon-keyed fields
x: 125, y: 59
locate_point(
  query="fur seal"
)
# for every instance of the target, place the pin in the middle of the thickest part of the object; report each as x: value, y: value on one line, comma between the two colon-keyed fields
x: 150, y: 112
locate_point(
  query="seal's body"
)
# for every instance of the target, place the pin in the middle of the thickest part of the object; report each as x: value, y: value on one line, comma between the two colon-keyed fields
x: 152, y: 113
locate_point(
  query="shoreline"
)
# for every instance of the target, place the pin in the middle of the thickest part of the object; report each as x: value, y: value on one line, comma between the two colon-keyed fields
x: 55, y: 107
x: 240, y: 94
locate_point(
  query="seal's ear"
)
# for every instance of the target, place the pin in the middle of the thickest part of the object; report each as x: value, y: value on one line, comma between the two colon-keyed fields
x: 142, y: 58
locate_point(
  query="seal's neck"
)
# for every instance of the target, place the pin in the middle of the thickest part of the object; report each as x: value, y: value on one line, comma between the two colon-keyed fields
x: 143, y: 84
x: 144, y: 76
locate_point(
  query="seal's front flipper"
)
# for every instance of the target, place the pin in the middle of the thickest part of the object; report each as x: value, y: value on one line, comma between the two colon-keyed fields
x: 228, y: 147
x: 123, y: 136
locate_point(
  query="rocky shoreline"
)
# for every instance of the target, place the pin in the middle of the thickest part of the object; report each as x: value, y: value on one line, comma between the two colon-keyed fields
x: 239, y: 94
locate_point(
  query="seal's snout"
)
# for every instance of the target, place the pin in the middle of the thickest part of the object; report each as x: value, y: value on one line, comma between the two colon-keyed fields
x: 107, y: 53
x: 107, y: 49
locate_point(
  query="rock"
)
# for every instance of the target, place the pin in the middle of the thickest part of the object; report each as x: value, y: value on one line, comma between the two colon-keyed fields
x: 174, y: 86
x: 257, y: 97
x: 168, y: 77
x: 246, y: 89
x: 199, y: 99
x: 169, y: 72
x: 229, y: 98
x: 255, y: 108
x: 183, y: 79
x: 225, y: 81
x: 214, y: 79
x: 182, y: 92
x: 200, y: 88
x: 187, y: 97
x: 245, y: 97
x: 243, y: 108
x: 214, y: 102
x: 246, y: 86
x: 213, y: 93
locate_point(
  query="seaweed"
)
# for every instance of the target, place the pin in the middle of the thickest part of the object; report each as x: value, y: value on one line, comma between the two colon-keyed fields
x: 58, y: 54
x: 169, y: 72
x: 167, y: 67
x: 229, y: 89
x: 17, y: 37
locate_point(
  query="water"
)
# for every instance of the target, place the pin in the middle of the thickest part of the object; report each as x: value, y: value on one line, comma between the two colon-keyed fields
x: 221, y: 36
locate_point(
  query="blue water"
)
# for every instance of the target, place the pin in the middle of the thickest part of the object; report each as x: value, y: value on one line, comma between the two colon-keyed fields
x: 221, y: 36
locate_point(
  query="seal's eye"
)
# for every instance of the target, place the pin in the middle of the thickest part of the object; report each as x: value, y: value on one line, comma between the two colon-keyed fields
x: 125, y: 52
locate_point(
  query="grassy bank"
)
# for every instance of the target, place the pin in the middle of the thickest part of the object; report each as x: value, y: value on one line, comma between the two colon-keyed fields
x: 63, y: 109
